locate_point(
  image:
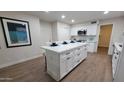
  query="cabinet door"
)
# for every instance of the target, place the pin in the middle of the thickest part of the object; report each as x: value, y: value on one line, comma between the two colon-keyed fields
x: 66, y: 62
x: 63, y: 32
x: 78, y: 54
x: 91, y: 47
x: 69, y: 64
x: 92, y: 29
x: 63, y: 68
x: 84, y: 52
x: 74, y: 31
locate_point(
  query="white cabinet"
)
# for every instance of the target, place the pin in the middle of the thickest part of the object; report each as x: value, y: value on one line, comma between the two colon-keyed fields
x: 63, y: 32
x: 63, y: 68
x: 91, y: 46
x: 74, y: 31
x: 60, y: 64
x: 75, y: 28
x: 60, y: 31
x: 92, y: 29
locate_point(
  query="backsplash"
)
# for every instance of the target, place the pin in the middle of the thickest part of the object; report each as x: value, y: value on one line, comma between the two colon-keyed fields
x: 84, y: 38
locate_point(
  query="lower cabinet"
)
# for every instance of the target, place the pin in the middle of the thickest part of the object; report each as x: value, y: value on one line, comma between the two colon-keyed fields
x: 65, y: 61
x: 91, y: 47
x: 63, y: 68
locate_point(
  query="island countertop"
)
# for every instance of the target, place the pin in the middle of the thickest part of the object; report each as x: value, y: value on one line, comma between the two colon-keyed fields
x: 61, y: 48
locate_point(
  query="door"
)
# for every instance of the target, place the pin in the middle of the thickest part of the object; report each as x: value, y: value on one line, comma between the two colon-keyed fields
x: 105, y: 35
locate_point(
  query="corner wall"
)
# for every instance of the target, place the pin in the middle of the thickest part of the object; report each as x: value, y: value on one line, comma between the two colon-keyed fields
x: 10, y: 56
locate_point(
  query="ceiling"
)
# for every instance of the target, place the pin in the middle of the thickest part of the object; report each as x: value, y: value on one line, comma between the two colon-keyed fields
x: 78, y: 16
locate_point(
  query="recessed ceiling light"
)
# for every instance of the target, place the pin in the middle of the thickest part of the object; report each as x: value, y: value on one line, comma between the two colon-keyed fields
x: 72, y: 20
x: 106, y: 12
x: 63, y: 16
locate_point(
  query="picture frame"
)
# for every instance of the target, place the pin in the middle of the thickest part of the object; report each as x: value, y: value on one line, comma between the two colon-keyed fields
x: 16, y: 32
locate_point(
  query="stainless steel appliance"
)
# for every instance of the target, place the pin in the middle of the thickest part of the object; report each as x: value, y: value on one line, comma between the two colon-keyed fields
x: 82, y: 32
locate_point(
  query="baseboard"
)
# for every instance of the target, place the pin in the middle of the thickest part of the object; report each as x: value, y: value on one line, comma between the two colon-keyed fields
x: 20, y: 61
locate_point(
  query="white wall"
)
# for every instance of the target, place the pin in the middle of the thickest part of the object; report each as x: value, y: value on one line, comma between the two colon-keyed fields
x: 117, y: 31
x: 9, y: 56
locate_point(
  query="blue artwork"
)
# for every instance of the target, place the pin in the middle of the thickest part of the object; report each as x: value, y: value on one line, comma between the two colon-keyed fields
x: 17, y: 32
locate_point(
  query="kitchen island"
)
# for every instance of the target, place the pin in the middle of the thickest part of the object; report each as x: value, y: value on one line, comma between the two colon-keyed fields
x: 62, y: 59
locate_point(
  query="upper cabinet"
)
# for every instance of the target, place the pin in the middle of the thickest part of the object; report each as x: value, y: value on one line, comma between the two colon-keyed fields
x: 91, y: 29
x: 60, y: 31
x: 74, y: 29
x: 63, y: 31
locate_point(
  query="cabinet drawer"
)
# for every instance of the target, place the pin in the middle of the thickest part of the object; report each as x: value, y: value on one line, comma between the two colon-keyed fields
x: 66, y: 54
x: 66, y: 58
x: 66, y: 65
x: 78, y: 49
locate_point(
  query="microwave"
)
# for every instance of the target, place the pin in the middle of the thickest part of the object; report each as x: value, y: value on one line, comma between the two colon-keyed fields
x: 82, y: 32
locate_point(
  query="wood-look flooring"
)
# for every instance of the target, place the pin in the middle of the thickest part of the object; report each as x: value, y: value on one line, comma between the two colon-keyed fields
x: 96, y: 68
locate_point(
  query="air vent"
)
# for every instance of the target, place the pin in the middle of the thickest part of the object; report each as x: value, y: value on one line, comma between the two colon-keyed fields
x: 93, y: 22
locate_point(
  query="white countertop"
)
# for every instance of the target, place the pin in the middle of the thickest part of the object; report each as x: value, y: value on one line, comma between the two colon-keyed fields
x: 61, y: 48
x: 118, y: 47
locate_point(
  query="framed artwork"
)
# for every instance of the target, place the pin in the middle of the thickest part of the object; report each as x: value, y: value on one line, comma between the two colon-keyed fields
x: 16, y: 32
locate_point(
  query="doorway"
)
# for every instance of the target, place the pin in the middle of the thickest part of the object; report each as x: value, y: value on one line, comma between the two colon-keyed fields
x: 104, y: 38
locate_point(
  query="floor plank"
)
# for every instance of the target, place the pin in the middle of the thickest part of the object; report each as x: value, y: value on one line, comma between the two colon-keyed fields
x: 96, y: 68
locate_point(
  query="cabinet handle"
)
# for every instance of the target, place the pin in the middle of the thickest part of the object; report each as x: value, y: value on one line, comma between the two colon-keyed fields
x: 78, y: 60
x: 115, y: 57
x: 78, y: 54
x: 68, y: 53
x: 78, y: 48
x: 68, y: 58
